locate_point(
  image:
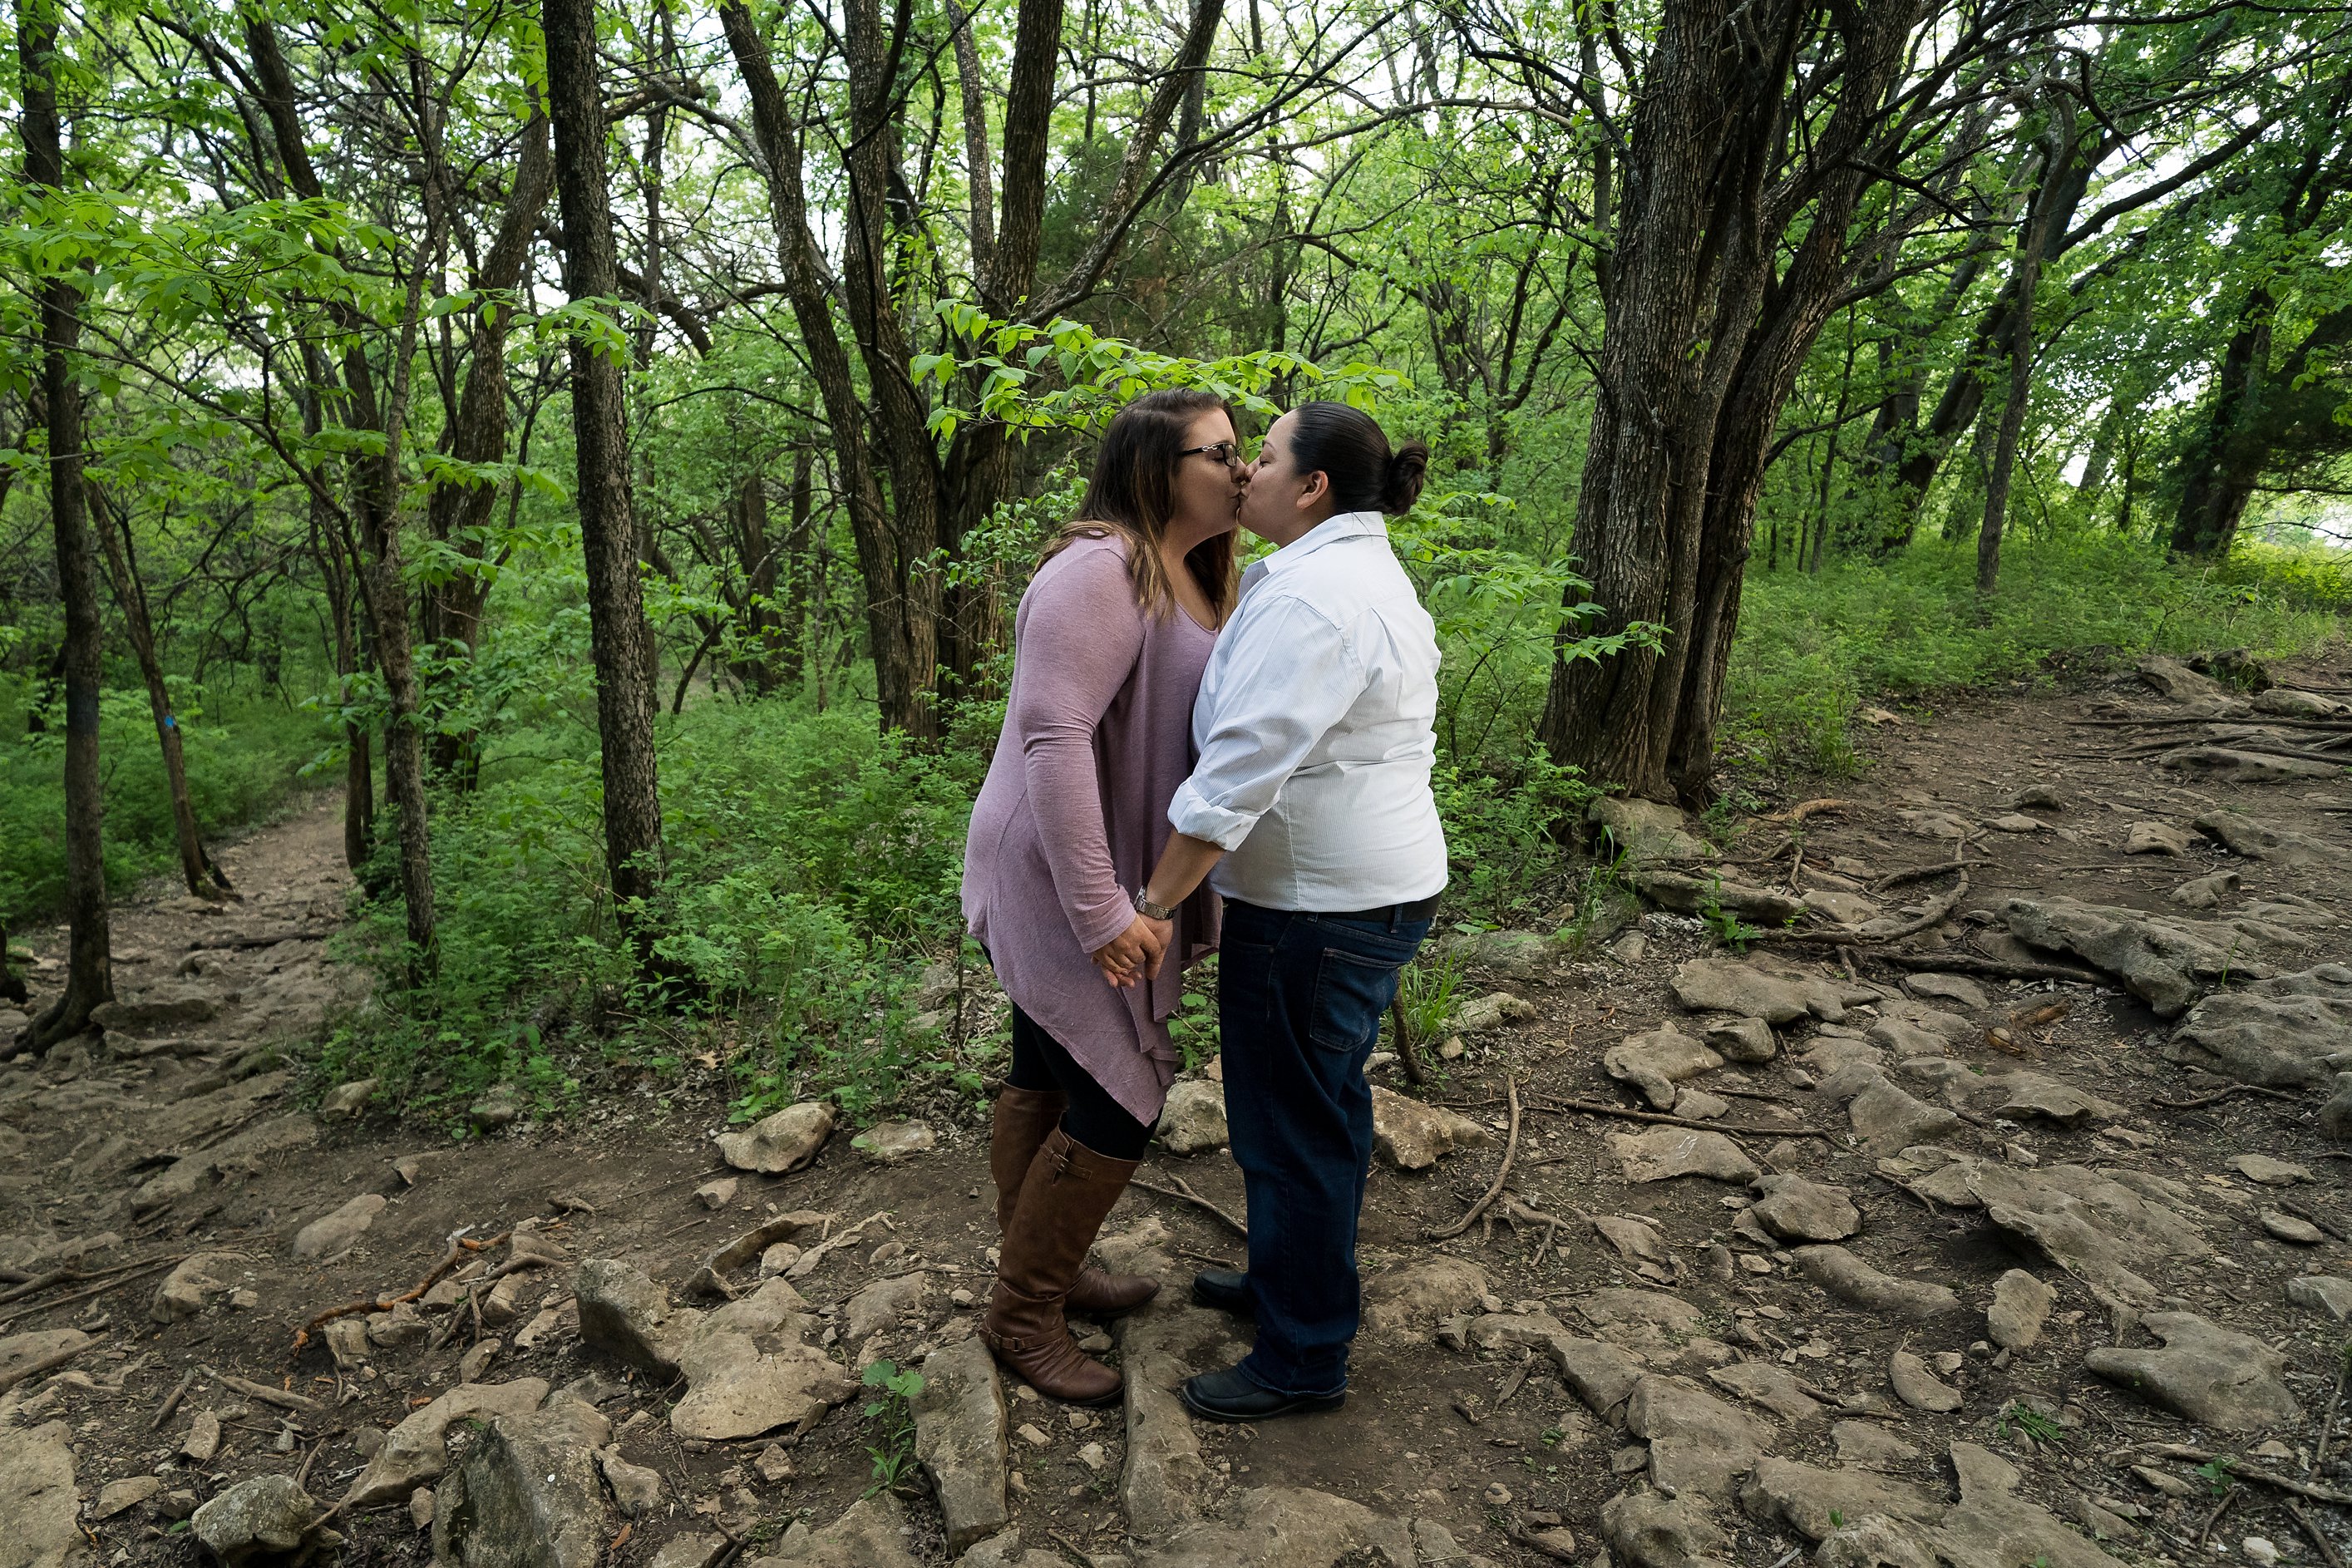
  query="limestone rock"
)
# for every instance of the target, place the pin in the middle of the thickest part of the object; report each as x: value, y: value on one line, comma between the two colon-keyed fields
x: 1918, y: 1387
x: 1845, y: 908
x: 37, y: 1477
x: 1698, y: 895
x: 122, y: 1496
x: 871, y: 1534
x: 2167, y: 962
x: 1644, y: 1529
x: 2156, y: 839
x: 782, y: 1142
x: 2259, y: 841
x: 2336, y: 1115
x: 692, y: 1548
x: 22, y: 1351
x: 1407, y: 1301
x: 959, y: 1440
x: 882, y: 1305
x: 1859, y: 1443
x: 348, y: 1099
x: 2322, y: 1293
x: 1004, y: 1551
x: 159, y: 1007
x: 2206, y: 892
x: 743, y: 1384
x: 1493, y: 1011
x: 527, y: 1493
x: 1165, y: 1342
x: 1643, y: 1319
x: 2021, y: 1305
x: 415, y: 1452
x: 1743, y: 1039
x: 197, y: 1283
x: 330, y: 1236
x: 1813, y: 1502
x: 2022, y: 1094
x: 1697, y: 1442
x: 895, y: 1142
x: 1664, y: 1153
x: 1645, y: 831
x: 1282, y: 1527
x: 1655, y: 1062
x: 1795, y: 1209
x: 2270, y: 1173
x: 1745, y: 987
x: 1953, y: 988
x: 1414, y: 1136
x: 264, y: 1520
x: 1992, y: 1527
x: 1193, y: 1121
x: 1884, y: 1117
x: 1512, y: 953
x: 2224, y: 764
x: 1772, y: 1385
x: 637, y: 1488
x: 1848, y: 1278
x: 2291, y: 1032
x: 495, y: 1111
x: 2291, y: 1227
x: 626, y: 1315
x: 2212, y: 1375
x: 204, y: 1438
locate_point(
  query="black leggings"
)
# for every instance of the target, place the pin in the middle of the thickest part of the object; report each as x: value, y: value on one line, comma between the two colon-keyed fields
x: 1040, y: 1065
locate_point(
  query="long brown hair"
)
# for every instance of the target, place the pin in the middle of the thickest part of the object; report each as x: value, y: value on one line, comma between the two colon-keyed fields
x: 1132, y: 496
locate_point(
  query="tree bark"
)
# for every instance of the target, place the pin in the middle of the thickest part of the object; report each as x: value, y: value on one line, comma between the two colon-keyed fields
x: 459, y: 511
x: 203, y: 879
x: 89, y: 967
x: 1700, y: 349
x: 2028, y: 290
x: 624, y: 696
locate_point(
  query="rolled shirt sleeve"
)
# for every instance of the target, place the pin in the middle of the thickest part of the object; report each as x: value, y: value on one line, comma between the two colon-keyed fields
x: 1290, y: 675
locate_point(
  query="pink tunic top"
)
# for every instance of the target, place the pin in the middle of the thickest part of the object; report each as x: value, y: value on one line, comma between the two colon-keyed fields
x: 1097, y: 735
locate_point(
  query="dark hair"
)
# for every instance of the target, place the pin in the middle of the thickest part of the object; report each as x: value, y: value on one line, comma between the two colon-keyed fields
x: 1349, y: 446
x: 1131, y: 494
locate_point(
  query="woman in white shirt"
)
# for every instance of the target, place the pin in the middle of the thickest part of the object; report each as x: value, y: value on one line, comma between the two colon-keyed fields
x: 1310, y: 811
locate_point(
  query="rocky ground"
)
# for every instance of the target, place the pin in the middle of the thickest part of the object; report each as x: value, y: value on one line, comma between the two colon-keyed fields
x: 1979, y: 1205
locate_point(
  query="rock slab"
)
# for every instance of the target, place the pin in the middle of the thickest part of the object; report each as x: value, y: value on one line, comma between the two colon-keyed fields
x: 959, y: 1441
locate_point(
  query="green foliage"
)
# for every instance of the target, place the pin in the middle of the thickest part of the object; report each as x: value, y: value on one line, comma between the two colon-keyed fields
x: 1810, y: 646
x: 1725, y: 925
x: 1426, y: 989
x: 890, y: 1422
x: 243, y: 753
x: 2030, y: 1421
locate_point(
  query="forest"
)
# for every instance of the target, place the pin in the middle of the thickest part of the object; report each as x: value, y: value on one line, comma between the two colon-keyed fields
x: 606, y: 442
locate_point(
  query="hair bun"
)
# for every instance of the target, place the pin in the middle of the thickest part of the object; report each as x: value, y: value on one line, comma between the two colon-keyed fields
x: 1408, y: 468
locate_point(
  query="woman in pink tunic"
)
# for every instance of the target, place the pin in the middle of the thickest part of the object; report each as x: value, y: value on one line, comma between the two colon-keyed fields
x: 1110, y: 644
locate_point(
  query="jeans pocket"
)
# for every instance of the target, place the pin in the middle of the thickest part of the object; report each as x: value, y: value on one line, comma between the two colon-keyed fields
x: 1351, y: 992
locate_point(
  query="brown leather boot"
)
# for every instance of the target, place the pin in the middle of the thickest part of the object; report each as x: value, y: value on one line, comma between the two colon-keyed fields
x: 1064, y: 1195
x: 1024, y: 1118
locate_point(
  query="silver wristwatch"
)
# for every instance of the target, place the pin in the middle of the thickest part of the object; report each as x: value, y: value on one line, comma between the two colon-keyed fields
x: 1144, y: 906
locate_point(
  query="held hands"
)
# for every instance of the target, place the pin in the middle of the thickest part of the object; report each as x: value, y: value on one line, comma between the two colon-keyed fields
x: 1135, y: 953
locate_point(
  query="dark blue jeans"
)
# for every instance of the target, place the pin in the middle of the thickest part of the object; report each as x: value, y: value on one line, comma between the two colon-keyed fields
x: 1300, y: 999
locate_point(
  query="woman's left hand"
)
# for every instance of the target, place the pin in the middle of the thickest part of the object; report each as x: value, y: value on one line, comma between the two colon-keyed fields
x: 1135, y: 953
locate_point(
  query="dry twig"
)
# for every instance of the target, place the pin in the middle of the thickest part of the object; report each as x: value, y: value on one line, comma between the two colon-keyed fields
x: 1183, y: 1189
x: 1600, y: 1108
x: 1510, y: 1153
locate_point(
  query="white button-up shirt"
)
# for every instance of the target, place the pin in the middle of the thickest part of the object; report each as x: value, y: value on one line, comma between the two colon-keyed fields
x: 1315, y: 725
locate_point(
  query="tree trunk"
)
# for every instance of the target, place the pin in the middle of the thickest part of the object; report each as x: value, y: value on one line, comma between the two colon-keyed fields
x: 2218, y: 471
x: 625, y: 697
x: 90, y: 970
x: 203, y: 878
x: 2012, y: 421
x: 1680, y: 435
x: 459, y: 511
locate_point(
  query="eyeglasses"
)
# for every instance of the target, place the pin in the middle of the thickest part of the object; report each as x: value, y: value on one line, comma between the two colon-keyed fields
x: 1226, y: 452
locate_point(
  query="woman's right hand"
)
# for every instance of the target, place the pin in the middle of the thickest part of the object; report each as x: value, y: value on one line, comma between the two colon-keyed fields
x: 1134, y: 954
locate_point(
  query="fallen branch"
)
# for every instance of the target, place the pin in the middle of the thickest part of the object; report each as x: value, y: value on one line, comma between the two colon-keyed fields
x: 259, y: 939
x: 1510, y: 1153
x: 296, y: 1403
x: 1805, y: 808
x: 1183, y: 1189
x: 115, y: 1282
x: 40, y: 1364
x: 2310, y: 1526
x: 457, y: 1249
x: 172, y: 1400
x: 1600, y: 1107
x: 2242, y: 1471
x: 2222, y: 1094
x: 1999, y: 968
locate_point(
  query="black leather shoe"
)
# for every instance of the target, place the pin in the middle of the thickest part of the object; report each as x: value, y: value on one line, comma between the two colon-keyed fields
x: 1227, y: 1395
x: 1225, y: 1290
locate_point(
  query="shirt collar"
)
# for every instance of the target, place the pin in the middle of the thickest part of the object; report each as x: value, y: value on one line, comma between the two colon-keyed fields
x: 1340, y: 525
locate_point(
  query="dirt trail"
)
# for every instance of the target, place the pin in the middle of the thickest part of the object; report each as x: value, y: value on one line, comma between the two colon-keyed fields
x: 1971, y: 1249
